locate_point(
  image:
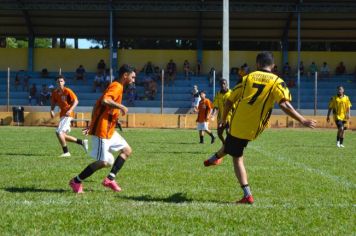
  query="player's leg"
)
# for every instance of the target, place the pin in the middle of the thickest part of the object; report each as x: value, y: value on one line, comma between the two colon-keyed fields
x: 81, y: 142
x: 63, y: 125
x: 117, y: 143
x: 220, y: 131
x: 216, y: 158
x: 209, y: 132
x: 340, y: 129
x: 342, y: 133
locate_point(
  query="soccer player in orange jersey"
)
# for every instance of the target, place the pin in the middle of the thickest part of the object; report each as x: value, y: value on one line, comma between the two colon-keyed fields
x: 105, y: 139
x: 66, y: 99
x: 204, y: 114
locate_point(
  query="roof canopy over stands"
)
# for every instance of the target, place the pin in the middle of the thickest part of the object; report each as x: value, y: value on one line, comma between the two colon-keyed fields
x: 327, y: 20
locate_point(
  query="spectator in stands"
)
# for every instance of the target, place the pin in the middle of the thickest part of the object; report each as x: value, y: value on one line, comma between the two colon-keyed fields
x: 246, y: 68
x: 45, y: 95
x: 286, y: 70
x: 242, y: 71
x: 301, y: 69
x: 186, y: 69
x: 44, y: 73
x: 234, y: 73
x: 275, y: 70
x: 101, y: 67
x: 198, y: 68
x: 171, y: 72
x: 98, y: 81
x: 152, y: 90
x: 80, y: 73
x: 131, y: 94
x: 312, y: 69
x: 324, y: 71
x: 211, y: 76
x: 107, y: 78
x: 340, y: 69
x: 51, y: 88
x: 32, y: 95
x: 195, y: 98
x: 148, y: 69
x: 22, y: 75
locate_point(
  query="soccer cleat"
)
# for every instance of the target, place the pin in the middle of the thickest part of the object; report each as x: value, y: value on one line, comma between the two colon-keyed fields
x: 212, y: 163
x: 212, y: 139
x: 338, y: 144
x: 342, y: 145
x: 111, y: 184
x: 85, y: 145
x: 246, y: 200
x: 67, y: 154
x: 76, y: 187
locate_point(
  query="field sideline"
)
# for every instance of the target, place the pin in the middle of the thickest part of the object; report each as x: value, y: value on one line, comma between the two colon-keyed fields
x: 302, y: 184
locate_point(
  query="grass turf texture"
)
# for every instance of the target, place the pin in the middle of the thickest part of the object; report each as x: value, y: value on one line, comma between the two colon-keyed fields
x: 301, y: 182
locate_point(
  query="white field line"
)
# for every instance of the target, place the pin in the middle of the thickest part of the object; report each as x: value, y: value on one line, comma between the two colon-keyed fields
x: 290, y: 161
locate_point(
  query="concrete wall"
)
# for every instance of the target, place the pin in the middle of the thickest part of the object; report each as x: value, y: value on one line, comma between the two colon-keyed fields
x: 69, y: 59
x: 158, y: 121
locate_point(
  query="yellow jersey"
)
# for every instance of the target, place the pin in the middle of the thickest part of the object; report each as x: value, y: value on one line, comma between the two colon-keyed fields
x: 254, y: 97
x: 219, y: 103
x: 340, y: 107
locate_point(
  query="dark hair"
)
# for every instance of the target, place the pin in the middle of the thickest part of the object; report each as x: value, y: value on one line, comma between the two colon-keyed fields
x: 223, y: 80
x: 60, y: 77
x: 202, y: 91
x: 265, y: 59
x: 339, y: 87
x: 125, y: 69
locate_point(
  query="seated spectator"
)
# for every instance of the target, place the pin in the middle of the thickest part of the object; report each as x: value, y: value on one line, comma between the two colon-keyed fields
x: 98, y: 82
x: 234, y: 73
x: 286, y: 71
x: 152, y: 90
x: 22, y: 75
x: 148, y: 69
x: 312, y: 69
x: 32, y: 95
x: 101, y: 67
x: 186, y: 69
x: 107, y: 78
x: 45, y: 95
x: 275, y: 70
x: 171, y: 72
x: 131, y: 94
x: 340, y: 69
x: 211, y: 76
x: 80, y: 73
x: 44, y: 73
x: 324, y: 71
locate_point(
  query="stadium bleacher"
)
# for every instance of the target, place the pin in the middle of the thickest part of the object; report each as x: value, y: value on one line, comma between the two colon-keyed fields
x: 177, y: 96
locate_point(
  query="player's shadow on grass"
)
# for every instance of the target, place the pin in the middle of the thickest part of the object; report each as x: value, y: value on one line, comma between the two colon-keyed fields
x: 174, y: 198
x: 33, y: 190
x: 22, y: 154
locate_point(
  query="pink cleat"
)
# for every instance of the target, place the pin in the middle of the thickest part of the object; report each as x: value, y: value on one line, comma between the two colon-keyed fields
x: 111, y: 184
x: 76, y: 187
x: 246, y: 200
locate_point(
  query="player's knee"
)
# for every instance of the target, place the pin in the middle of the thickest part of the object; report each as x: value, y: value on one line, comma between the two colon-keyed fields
x: 127, y: 151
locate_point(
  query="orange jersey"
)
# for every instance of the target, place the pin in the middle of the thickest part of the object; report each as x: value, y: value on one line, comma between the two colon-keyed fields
x: 104, y: 118
x: 204, y: 109
x: 64, y: 99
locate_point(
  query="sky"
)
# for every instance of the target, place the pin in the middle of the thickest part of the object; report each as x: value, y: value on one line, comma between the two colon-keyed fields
x: 82, y: 43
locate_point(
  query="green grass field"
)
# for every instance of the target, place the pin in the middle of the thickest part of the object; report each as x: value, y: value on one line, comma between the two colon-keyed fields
x: 302, y: 184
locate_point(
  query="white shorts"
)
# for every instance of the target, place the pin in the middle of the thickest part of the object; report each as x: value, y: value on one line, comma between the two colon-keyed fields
x: 102, y: 149
x: 64, y: 125
x: 202, y: 126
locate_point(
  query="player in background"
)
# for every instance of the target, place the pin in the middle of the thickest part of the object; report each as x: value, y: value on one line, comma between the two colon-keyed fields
x: 204, y: 110
x: 105, y: 139
x: 341, y: 106
x: 254, y: 97
x: 66, y: 99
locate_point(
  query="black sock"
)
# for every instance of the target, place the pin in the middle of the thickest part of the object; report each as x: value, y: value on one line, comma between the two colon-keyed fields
x: 65, y: 149
x: 88, y: 171
x: 337, y: 138
x: 79, y: 141
x: 341, y: 140
x: 211, y: 134
x: 119, y: 162
x: 201, y: 139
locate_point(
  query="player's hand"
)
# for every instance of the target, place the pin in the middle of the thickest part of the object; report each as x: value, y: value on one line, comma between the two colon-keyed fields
x: 347, y: 116
x: 52, y: 114
x: 309, y: 123
x: 85, y: 131
x: 212, y: 118
x: 328, y: 119
x: 68, y: 113
x: 124, y: 110
x: 222, y: 124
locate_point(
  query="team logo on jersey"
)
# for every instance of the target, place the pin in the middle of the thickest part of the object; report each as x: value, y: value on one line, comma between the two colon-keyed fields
x: 64, y: 98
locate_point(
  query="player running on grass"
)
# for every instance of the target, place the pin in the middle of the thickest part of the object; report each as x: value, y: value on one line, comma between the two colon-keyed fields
x: 254, y: 97
x: 204, y: 110
x: 105, y: 139
x: 66, y: 99
x: 340, y: 105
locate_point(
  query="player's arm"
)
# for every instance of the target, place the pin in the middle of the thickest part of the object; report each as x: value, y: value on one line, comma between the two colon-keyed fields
x: 71, y: 109
x: 53, y: 105
x: 227, y: 108
x: 110, y: 103
x: 287, y: 108
x: 328, y: 115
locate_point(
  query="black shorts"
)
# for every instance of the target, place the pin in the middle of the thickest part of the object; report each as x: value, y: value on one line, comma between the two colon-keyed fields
x: 340, y: 124
x: 235, y: 146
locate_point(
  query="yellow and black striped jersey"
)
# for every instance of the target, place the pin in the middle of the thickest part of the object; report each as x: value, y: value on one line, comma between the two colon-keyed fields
x: 254, y: 97
x: 340, y: 107
x: 219, y: 103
